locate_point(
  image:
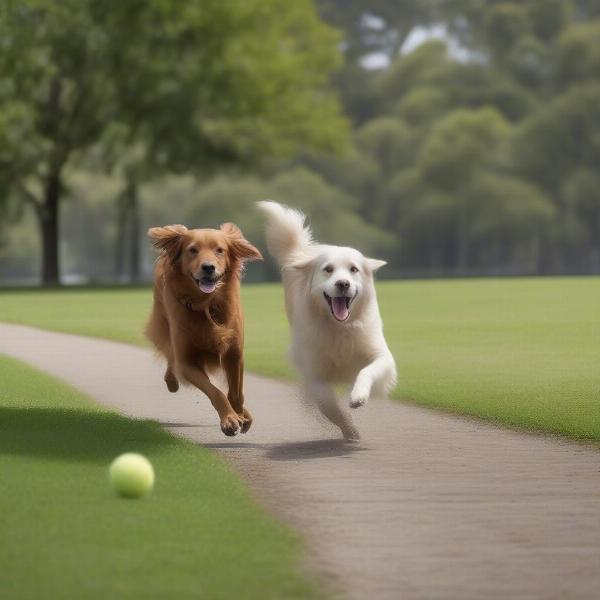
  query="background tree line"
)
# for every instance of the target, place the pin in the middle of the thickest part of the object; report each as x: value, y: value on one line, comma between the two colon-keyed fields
x: 467, y: 141
x: 479, y: 150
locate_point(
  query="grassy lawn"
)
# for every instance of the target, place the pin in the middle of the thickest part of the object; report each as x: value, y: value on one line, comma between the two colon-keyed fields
x: 523, y: 352
x: 65, y: 535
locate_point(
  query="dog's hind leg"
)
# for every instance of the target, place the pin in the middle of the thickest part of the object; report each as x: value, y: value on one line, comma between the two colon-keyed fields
x: 327, y: 401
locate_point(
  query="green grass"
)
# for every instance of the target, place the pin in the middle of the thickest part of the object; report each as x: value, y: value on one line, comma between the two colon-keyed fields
x: 64, y: 534
x: 522, y: 352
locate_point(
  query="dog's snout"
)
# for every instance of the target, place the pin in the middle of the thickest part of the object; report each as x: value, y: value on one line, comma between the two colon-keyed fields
x: 208, y: 268
x: 342, y: 285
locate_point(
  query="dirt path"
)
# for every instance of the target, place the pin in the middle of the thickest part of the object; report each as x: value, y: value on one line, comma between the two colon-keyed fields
x: 427, y: 506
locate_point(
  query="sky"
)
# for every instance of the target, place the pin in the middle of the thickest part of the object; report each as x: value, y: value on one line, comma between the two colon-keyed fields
x: 419, y: 35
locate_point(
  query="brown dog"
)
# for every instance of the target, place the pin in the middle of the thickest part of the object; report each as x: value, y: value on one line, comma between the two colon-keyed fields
x: 196, y: 321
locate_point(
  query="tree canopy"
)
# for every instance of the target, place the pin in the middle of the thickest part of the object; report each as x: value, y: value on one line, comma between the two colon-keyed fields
x: 472, y: 148
x: 482, y: 151
x: 198, y: 85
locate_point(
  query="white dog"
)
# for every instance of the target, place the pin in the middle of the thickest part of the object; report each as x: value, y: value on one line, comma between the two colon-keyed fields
x: 330, y: 301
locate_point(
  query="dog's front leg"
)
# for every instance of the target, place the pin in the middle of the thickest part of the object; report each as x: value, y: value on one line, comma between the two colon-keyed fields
x: 327, y: 401
x: 233, y: 365
x: 231, y: 422
x: 381, y: 370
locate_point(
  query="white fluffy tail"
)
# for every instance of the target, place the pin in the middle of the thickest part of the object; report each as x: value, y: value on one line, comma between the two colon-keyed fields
x: 287, y: 236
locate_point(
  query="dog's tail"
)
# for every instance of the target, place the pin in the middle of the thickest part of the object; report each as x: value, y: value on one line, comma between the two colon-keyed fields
x: 288, y: 239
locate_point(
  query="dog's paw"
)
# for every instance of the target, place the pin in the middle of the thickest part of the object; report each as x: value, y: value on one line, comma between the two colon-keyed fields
x: 351, y: 434
x: 358, y: 398
x: 172, y: 383
x: 231, y: 424
x: 247, y: 420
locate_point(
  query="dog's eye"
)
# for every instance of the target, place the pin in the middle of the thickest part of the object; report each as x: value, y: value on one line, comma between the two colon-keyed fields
x: 353, y: 269
x: 193, y: 250
x: 328, y: 269
x: 219, y: 250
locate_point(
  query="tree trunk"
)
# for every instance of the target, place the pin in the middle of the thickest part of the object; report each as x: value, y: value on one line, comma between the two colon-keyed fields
x: 134, y: 233
x: 121, y: 236
x: 49, y: 223
x: 463, y: 238
x: 127, y: 243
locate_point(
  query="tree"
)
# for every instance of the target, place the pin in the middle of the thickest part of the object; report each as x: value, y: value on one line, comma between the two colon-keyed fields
x: 559, y: 148
x: 509, y: 222
x: 375, y: 25
x: 199, y: 85
x: 579, y: 54
x: 561, y: 138
x: 389, y: 141
x: 370, y: 27
x: 54, y: 78
x: 331, y: 211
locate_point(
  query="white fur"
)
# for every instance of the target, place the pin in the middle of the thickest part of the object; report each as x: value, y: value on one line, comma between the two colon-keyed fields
x: 324, y: 350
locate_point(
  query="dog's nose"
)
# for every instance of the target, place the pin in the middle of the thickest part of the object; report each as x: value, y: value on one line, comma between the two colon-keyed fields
x: 342, y: 285
x: 208, y: 268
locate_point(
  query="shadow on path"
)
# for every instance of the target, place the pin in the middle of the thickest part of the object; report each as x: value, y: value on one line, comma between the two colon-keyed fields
x: 313, y: 449
x: 233, y: 445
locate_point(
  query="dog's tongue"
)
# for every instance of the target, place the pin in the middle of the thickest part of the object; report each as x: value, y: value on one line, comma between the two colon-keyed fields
x: 340, y: 310
x: 207, y: 286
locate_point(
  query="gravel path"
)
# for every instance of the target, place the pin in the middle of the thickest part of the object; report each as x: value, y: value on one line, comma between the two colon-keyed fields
x: 427, y: 506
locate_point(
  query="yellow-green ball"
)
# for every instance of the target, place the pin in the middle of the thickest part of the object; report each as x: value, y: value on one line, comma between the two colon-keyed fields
x: 131, y: 475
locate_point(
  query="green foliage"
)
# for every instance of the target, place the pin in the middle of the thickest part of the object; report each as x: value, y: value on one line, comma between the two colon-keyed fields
x: 395, y: 20
x: 579, y: 54
x: 580, y: 196
x: 422, y: 105
x: 427, y: 66
x: 486, y: 158
x: 549, y: 17
x: 389, y: 142
x: 332, y: 212
x: 562, y: 137
x: 425, y: 84
x: 354, y: 172
x: 228, y: 83
x: 174, y: 86
x: 461, y: 143
x: 458, y: 205
x: 529, y: 61
x: 492, y: 127
x: 504, y: 24
x: 510, y: 207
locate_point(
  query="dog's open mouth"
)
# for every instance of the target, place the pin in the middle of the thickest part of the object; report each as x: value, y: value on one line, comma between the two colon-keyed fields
x: 207, y: 284
x: 339, y: 306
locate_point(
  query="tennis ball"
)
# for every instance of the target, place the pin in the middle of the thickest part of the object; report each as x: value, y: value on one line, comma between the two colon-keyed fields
x: 131, y: 475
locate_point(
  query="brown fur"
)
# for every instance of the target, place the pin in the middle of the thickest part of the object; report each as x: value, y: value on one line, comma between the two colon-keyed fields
x: 200, y: 332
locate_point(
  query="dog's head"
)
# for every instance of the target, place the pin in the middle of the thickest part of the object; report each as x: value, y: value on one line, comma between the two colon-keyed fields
x: 340, y: 281
x: 207, y: 256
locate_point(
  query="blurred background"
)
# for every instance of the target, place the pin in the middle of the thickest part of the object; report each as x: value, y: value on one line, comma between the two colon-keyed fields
x: 452, y: 138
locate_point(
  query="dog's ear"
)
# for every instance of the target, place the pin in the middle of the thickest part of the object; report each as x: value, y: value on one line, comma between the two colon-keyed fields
x: 240, y: 247
x: 168, y: 239
x: 375, y: 264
